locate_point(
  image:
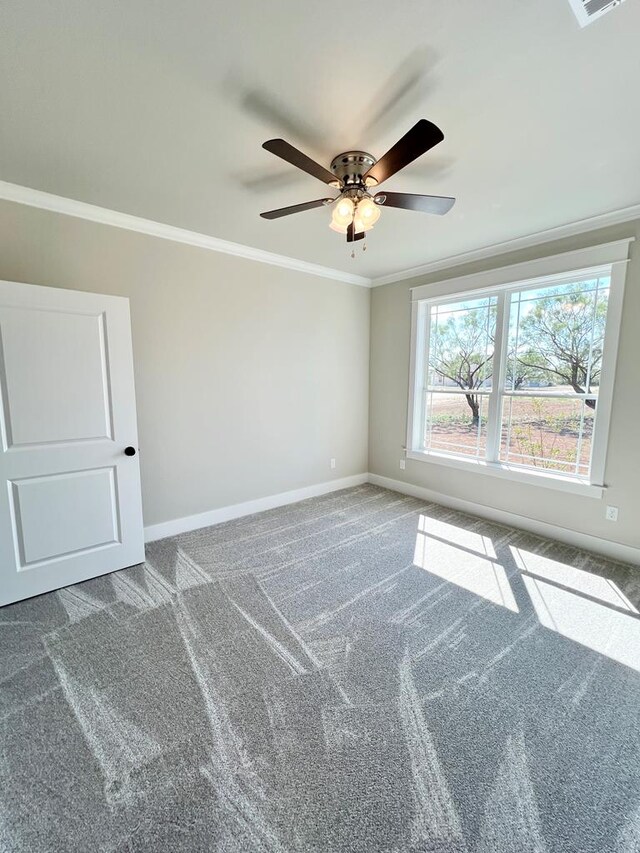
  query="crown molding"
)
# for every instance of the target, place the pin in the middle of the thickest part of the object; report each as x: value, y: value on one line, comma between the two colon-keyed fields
x: 104, y: 216
x: 91, y: 212
x: 603, y: 220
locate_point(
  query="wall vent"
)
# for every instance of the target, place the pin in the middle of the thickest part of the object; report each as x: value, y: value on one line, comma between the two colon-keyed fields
x: 587, y: 11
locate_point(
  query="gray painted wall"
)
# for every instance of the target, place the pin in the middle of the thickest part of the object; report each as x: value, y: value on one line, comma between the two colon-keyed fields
x: 249, y: 377
x: 390, y: 344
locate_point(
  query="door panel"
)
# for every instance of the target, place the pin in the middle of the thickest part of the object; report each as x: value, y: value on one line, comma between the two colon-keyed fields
x: 61, y: 391
x: 70, y: 504
x: 61, y: 514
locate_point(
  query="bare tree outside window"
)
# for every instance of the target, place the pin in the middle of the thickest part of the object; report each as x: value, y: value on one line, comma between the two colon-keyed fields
x: 462, y: 350
x: 561, y: 339
x: 550, y: 373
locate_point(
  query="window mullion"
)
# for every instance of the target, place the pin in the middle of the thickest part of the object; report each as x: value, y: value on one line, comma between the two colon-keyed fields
x: 494, y: 418
x: 420, y: 322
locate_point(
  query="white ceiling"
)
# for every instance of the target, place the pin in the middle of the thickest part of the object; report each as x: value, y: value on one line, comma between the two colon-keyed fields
x: 159, y: 109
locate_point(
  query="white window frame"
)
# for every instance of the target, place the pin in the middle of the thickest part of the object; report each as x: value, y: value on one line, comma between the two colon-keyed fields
x: 605, y: 259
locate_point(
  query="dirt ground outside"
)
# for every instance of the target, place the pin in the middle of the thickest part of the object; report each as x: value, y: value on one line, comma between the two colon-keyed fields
x: 537, y: 431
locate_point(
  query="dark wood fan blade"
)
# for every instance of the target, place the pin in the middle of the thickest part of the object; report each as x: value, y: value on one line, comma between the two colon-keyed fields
x: 287, y: 152
x: 421, y: 138
x: 295, y: 208
x: 424, y: 203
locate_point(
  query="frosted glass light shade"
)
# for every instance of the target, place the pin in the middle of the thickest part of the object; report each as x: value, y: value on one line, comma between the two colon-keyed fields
x: 368, y: 211
x: 343, y: 212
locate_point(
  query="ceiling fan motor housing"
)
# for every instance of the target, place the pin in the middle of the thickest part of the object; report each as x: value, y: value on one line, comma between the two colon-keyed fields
x: 351, y: 167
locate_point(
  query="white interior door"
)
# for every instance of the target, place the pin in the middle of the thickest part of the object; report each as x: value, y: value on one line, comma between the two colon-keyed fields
x: 70, y: 505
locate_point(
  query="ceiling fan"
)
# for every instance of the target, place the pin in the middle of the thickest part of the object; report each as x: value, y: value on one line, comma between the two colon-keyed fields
x: 356, y: 173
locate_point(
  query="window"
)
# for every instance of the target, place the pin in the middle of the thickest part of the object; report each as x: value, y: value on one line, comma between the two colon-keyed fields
x: 459, y: 364
x: 517, y: 378
x: 553, y: 358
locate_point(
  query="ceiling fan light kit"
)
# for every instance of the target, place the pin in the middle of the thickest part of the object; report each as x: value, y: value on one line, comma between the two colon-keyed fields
x: 356, y: 210
x: 354, y: 206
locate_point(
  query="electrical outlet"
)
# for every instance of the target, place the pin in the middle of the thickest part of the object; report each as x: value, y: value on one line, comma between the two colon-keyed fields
x: 611, y: 513
x: 332, y: 463
x: 403, y: 464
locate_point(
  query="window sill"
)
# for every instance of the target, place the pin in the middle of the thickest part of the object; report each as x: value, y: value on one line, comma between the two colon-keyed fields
x: 511, y: 472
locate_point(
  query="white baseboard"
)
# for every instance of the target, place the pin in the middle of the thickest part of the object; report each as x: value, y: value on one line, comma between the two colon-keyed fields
x: 612, y: 550
x: 227, y: 513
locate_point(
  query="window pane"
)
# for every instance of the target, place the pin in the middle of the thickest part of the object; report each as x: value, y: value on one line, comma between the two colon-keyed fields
x: 461, y: 336
x: 544, y: 433
x: 456, y: 423
x: 555, y: 337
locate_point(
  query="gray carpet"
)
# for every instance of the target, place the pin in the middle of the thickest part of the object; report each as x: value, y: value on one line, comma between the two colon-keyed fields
x: 357, y: 672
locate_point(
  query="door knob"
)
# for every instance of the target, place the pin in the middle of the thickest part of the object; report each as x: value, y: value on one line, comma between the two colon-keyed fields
x: 129, y: 451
